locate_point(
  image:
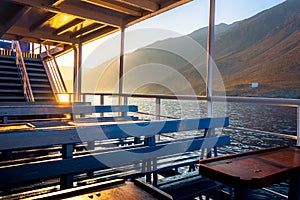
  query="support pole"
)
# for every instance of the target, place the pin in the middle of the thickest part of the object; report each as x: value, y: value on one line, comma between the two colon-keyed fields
x: 75, y: 74
x: 79, y: 76
x: 121, y: 70
x: 157, y: 108
x: 157, y: 112
x: 298, y: 126
x: 66, y: 181
x: 210, y: 57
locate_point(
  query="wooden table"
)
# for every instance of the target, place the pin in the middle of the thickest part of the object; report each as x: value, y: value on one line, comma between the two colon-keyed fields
x: 108, y: 190
x: 256, y: 169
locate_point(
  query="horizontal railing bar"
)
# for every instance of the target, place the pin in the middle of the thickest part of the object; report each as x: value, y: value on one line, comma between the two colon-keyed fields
x: 150, y: 114
x: 252, y: 100
x: 258, y: 100
x: 260, y: 131
x: 276, y: 193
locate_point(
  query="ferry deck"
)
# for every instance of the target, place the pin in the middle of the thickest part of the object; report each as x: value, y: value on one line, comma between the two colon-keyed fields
x: 77, y: 149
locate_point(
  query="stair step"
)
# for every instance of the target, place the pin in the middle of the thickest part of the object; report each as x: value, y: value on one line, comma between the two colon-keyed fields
x: 29, y: 69
x: 44, y: 99
x: 7, y: 57
x: 9, y: 67
x: 30, y: 64
x: 6, y: 73
x: 43, y: 92
x: 11, y: 91
x: 37, y: 75
x: 11, y: 62
x: 10, y: 84
x: 33, y: 59
x: 9, y: 78
x: 12, y: 98
x: 39, y: 80
x: 40, y: 86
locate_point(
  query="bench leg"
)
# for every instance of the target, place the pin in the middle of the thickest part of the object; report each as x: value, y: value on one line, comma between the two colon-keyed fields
x: 5, y: 120
x: 294, y: 188
x: 7, y: 155
x: 148, y: 173
x: 90, y: 146
x: 66, y: 181
x: 243, y: 193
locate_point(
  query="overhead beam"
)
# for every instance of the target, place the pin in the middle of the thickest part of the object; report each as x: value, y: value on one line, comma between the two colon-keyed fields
x: 10, y: 23
x: 115, y: 7
x: 163, y: 7
x: 41, y: 22
x: 78, y: 11
x: 68, y: 26
x: 87, y: 30
x: 58, y: 2
x: 98, y: 34
x: 39, y: 34
x: 145, y: 4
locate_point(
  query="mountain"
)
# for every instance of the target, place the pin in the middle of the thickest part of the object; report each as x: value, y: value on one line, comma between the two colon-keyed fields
x: 263, y: 49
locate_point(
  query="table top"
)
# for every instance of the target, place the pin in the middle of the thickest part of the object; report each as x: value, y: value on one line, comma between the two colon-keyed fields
x: 256, y: 168
x: 107, y: 190
x: 126, y: 191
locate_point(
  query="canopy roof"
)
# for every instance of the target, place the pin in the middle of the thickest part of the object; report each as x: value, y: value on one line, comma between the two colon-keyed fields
x: 68, y: 22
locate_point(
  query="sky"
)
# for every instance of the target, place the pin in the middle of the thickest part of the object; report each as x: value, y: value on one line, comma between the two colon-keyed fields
x: 179, y: 21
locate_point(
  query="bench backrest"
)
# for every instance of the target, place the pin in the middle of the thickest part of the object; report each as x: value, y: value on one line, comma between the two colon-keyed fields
x: 60, y: 109
x: 115, y: 157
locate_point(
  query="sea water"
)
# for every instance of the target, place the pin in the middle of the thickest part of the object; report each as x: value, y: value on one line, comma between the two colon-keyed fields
x: 281, y: 120
x: 267, y: 118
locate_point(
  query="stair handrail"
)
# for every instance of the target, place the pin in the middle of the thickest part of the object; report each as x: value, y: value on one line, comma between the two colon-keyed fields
x: 54, y: 74
x: 23, y: 72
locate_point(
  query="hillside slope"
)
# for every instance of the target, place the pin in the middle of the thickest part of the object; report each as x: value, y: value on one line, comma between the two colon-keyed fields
x: 264, y: 49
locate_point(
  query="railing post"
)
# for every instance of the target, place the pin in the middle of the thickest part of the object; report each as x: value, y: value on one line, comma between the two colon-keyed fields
x: 70, y: 97
x: 125, y: 102
x: 157, y: 113
x: 157, y: 108
x: 83, y: 97
x: 151, y: 164
x: 298, y: 125
x: 101, y: 99
x: 210, y: 57
x: 121, y: 64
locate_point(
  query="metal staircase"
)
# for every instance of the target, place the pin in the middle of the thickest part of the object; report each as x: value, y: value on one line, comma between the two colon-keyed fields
x: 39, y: 81
x: 25, y: 77
x: 11, y: 88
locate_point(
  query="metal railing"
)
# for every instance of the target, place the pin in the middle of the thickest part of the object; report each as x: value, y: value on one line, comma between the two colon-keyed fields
x: 23, y: 72
x: 54, y: 75
x: 283, y: 102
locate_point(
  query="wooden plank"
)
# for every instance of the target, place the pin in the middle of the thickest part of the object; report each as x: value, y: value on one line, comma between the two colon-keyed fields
x: 71, y: 135
x: 56, y: 168
x: 79, y: 10
x: 68, y: 193
x: 145, y: 4
x: 117, y: 108
x: 27, y: 110
x: 153, y: 190
x: 101, y: 119
x: 22, y: 11
x: 113, y: 6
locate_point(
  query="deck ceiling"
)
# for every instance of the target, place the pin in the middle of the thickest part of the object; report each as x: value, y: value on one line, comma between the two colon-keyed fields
x: 68, y: 22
